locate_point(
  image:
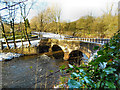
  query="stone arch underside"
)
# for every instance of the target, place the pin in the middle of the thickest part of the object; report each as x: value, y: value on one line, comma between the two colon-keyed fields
x: 75, y: 57
x: 57, y: 51
x: 43, y: 49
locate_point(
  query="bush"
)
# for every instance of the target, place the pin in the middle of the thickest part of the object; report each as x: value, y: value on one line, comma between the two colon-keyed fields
x: 102, y: 72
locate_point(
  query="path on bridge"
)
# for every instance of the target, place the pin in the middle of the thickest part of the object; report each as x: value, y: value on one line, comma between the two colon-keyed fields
x: 54, y: 36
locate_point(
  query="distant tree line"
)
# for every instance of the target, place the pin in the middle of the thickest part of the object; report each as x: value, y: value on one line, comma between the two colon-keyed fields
x: 88, y: 26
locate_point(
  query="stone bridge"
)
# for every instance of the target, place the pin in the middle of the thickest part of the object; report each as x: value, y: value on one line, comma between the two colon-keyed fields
x: 70, y: 47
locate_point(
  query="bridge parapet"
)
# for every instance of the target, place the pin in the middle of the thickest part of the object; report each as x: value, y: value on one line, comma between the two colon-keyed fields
x: 91, y: 40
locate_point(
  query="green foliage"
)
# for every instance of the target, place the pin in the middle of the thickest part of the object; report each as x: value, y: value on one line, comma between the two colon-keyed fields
x: 102, y: 72
x: 96, y: 47
x: 62, y: 68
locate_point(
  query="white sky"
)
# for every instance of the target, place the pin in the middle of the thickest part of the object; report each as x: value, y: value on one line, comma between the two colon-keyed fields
x: 74, y: 9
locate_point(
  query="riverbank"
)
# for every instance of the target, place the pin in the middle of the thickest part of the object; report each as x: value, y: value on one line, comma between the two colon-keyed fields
x: 9, y: 56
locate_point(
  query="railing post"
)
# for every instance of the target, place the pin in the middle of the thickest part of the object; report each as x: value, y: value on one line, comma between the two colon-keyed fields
x: 107, y: 40
x: 87, y: 39
x: 102, y: 40
x: 96, y: 39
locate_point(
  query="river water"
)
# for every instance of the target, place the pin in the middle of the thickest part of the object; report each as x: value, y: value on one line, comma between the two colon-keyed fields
x: 35, y: 71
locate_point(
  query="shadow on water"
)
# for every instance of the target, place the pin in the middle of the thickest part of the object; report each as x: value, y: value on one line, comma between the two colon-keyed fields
x: 43, y: 49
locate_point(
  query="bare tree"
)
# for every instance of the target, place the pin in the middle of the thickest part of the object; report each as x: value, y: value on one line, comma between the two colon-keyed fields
x: 24, y: 14
x: 12, y: 12
x: 11, y: 9
x: 3, y: 33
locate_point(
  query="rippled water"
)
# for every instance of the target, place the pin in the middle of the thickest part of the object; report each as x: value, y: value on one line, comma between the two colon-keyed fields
x: 31, y: 72
x: 37, y: 71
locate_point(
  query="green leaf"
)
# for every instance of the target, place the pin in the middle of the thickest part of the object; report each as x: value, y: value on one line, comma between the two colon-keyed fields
x: 69, y: 69
x: 112, y: 47
x: 100, y: 59
x: 118, y: 82
x: 70, y: 66
x: 100, y: 52
x: 110, y: 84
x: 109, y: 70
x: 75, y: 74
x: 98, y: 84
x: 81, y: 70
x: 62, y: 67
x: 96, y: 47
x: 86, y: 79
x: 73, y: 84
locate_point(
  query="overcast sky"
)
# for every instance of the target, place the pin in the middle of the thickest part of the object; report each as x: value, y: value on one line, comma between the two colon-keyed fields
x: 74, y: 9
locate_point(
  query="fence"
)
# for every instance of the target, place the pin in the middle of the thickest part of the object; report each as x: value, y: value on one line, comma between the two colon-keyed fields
x: 94, y: 40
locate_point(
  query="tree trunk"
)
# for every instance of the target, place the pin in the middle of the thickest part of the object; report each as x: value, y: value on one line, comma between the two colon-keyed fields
x: 3, y: 32
x: 26, y: 31
x: 12, y: 26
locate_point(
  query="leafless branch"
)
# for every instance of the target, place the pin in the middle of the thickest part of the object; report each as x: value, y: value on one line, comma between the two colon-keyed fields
x: 29, y: 9
x: 12, y: 5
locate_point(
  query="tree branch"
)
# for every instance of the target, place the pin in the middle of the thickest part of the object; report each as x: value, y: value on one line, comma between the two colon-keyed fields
x: 12, y: 5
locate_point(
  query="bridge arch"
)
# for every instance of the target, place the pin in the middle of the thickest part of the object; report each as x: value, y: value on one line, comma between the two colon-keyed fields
x: 57, y: 51
x: 75, y: 56
x: 43, y: 48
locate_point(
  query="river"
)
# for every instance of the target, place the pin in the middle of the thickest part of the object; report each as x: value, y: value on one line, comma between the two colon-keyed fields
x: 31, y: 72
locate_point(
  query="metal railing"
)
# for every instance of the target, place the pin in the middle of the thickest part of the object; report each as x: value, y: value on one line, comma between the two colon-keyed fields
x: 11, y: 41
x: 93, y: 40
